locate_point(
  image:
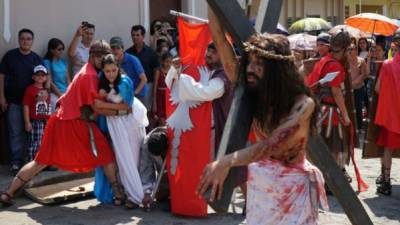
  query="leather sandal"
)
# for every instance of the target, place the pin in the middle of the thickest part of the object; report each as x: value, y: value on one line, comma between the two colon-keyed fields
x: 5, y: 199
x: 130, y: 205
x: 118, y: 198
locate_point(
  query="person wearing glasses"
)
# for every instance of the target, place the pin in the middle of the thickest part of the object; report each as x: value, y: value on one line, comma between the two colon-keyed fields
x: 15, y: 76
x: 57, y: 69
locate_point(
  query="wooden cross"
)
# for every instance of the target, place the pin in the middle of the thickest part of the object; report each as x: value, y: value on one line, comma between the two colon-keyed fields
x: 240, y: 117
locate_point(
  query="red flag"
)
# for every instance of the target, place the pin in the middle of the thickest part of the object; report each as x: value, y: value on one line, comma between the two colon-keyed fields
x: 194, y: 145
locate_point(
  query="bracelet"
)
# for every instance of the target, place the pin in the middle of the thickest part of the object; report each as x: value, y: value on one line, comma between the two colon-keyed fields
x: 122, y: 112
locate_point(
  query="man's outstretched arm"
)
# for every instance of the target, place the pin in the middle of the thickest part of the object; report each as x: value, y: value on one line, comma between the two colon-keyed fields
x: 215, y: 173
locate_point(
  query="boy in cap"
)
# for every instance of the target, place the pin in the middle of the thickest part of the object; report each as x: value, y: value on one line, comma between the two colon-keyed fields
x: 323, y: 44
x: 36, y: 104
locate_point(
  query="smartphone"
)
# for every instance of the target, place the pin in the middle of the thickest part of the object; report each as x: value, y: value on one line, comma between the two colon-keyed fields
x: 84, y: 23
x: 158, y: 27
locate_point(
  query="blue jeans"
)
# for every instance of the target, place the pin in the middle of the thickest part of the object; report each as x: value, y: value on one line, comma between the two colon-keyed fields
x: 17, y: 136
x: 147, y: 99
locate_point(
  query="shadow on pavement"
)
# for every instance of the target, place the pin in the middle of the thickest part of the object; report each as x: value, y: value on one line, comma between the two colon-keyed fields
x: 102, y: 214
x: 386, y: 206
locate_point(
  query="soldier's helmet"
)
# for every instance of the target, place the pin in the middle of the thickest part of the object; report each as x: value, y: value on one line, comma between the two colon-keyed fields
x: 341, y: 39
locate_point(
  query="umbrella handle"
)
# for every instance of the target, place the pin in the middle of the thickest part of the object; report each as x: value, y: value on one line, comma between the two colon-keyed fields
x: 373, y: 29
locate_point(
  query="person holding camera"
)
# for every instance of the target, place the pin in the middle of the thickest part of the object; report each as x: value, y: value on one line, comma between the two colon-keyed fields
x: 78, y: 51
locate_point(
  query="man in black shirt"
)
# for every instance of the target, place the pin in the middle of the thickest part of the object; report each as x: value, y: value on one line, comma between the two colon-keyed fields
x: 149, y: 60
x: 16, y: 70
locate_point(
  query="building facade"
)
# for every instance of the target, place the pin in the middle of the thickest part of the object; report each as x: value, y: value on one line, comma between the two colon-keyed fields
x: 389, y: 8
x: 60, y: 18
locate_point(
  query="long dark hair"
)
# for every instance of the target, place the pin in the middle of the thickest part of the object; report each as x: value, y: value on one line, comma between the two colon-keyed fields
x: 53, y: 44
x: 280, y: 86
x: 358, y: 44
x: 103, y: 82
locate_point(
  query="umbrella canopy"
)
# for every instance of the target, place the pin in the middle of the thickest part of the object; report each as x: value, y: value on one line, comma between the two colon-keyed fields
x: 354, y: 32
x: 373, y: 23
x: 302, y: 42
x: 280, y: 29
x: 308, y: 25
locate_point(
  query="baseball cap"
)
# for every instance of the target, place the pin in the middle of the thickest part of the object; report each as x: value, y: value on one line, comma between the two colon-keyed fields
x: 116, y: 42
x: 39, y: 68
x: 324, y: 37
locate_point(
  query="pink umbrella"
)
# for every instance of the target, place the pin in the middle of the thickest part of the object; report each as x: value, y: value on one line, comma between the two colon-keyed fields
x: 354, y: 32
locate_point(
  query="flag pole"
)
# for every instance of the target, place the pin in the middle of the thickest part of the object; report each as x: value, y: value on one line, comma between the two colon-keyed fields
x: 187, y: 16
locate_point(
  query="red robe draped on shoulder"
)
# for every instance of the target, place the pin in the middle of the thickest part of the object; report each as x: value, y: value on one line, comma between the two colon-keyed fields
x: 66, y: 140
x: 388, y: 108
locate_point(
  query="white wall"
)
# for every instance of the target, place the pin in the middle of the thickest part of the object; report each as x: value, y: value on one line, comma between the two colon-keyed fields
x: 60, y: 18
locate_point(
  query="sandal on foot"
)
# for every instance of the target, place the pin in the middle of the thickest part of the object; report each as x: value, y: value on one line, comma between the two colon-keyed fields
x: 147, y: 208
x: 131, y: 205
x: 118, y: 201
x: 385, y: 188
x: 6, y: 201
x: 119, y: 198
x: 379, y: 180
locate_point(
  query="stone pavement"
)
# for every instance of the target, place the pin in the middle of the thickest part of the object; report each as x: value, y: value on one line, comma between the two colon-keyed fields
x: 382, y: 209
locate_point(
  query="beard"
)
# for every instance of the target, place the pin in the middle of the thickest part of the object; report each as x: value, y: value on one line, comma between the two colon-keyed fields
x: 253, y: 90
x: 253, y: 87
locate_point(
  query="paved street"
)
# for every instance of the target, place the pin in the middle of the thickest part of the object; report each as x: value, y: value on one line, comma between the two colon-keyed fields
x: 383, y: 210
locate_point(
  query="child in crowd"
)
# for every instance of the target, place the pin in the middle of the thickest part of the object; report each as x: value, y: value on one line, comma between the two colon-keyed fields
x: 37, y: 109
x: 159, y: 89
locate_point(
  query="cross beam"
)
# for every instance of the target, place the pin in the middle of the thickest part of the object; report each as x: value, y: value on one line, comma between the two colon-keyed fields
x: 240, y: 117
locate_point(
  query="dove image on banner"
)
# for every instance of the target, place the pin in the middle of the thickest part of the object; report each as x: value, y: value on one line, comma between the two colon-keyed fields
x: 189, y: 122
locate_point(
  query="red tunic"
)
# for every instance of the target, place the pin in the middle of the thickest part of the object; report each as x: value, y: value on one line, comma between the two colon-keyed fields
x: 66, y: 141
x: 388, y: 108
x: 327, y: 65
x: 161, y: 97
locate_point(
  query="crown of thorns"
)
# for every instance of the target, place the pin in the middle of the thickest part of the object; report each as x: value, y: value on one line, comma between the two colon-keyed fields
x: 248, y: 47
